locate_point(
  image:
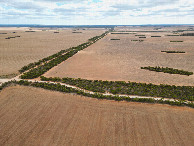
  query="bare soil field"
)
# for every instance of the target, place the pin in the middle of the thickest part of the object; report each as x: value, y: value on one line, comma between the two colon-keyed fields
x: 33, y: 116
x: 33, y: 46
x: 122, y: 59
x: 154, y: 28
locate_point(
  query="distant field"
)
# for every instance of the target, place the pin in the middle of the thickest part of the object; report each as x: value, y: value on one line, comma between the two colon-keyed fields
x: 40, y: 117
x: 123, y: 59
x: 32, y: 46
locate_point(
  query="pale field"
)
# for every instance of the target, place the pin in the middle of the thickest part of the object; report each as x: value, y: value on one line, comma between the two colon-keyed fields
x: 34, y: 116
x: 122, y: 59
x: 153, y: 28
x: 33, y: 46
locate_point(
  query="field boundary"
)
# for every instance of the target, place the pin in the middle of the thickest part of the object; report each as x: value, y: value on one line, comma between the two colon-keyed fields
x: 61, y: 87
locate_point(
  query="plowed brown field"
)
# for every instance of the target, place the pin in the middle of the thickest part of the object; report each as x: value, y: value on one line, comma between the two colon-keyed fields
x: 32, y: 46
x: 122, y: 59
x: 32, y: 116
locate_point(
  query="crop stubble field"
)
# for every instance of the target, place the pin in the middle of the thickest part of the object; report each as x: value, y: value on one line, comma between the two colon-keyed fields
x: 122, y: 59
x: 33, y: 46
x: 28, y: 117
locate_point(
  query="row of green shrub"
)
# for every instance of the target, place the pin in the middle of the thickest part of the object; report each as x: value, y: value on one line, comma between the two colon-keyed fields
x: 137, y: 40
x: 187, y: 34
x: 156, y: 36
x: 129, y: 88
x: 76, y: 32
x: 120, y: 33
x: 62, y: 88
x: 176, y: 41
x: 168, y: 70
x: 172, y: 35
x: 56, y: 59
x: 173, y: 51
x: 114, y: 39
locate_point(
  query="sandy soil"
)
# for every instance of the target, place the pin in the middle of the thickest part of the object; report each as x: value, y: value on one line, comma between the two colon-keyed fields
x: 153, y: 28
x: 34, y: 116
x: 32, y: 46
x: 122, y: 59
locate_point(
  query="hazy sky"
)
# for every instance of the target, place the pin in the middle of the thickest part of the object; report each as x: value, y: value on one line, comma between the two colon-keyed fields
x: 96, y: 12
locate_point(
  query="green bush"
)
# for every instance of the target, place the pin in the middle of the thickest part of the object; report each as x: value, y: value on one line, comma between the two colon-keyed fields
x: 167, y: 70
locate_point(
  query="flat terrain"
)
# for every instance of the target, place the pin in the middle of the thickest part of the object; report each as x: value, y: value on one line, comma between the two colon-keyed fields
x: 34, y: 116
x: 33, y: 46
x: 122, y: 59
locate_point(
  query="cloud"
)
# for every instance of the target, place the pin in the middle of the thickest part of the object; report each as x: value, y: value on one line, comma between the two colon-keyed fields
x: 95, y: 10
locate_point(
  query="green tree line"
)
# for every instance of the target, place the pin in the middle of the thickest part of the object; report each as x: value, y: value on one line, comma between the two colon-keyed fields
x: 62, y: 88
x: 129, y: 88
x: 168, y: 70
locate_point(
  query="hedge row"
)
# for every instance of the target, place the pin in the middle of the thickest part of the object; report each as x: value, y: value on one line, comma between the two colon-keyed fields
x: 130, y: 88
x: 137, y: 40
x: 173, y: 51
x: 56, y: 59
x: 168, y: 70
x: 114, y: 39
x: 176, y: 41
x: 172, y: 35
x: 187, y: 34
x: 120, y: 33
x: 156, y: 36
x: 62, y: 88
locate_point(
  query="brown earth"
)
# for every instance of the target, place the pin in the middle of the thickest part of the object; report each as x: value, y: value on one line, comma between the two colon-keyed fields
x: 122, y: 59
x: 153, y: 28
x: 33, y: 46
x: 34, y: 116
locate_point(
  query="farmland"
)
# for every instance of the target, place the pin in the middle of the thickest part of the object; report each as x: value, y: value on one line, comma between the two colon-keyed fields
x: 97, y: 86
x: 37, y: 44
x: 30, y: 117
x: 122, y: 60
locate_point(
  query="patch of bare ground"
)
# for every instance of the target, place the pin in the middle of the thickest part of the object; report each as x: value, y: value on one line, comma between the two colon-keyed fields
x: 122, y: 59
x: 33, y: 46
x: 33, y: 116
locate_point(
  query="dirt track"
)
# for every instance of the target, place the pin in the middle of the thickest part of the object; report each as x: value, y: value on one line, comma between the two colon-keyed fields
x: 31, y: 116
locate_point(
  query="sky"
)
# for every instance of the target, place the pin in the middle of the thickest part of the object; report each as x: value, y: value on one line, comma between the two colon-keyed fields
x: 96, y: 12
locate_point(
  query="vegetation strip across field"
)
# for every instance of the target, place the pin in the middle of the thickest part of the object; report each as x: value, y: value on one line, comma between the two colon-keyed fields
x: 55, y: 59
x: 137, y: 40
x: 173, y: 51
x: 114, y: 39
x: 63, y: 88
x: 187, y: 34
x: 168, y: 70
x: 130, y: 88
x: 176, y: 41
